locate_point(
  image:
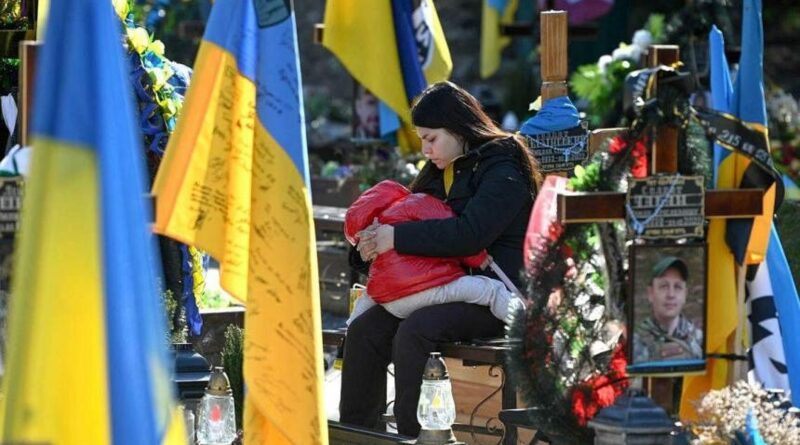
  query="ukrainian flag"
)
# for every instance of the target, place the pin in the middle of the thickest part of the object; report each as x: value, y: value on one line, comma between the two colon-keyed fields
x: 390, y: 47
x: 86, y: 356
x: 722, y: 312
x: 234, y: 183
x: 495, y: 13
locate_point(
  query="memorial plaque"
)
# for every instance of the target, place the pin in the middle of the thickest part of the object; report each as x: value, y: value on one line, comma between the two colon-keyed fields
x: 666, y: 206
x: 560, y: 150
x: 10, y: 205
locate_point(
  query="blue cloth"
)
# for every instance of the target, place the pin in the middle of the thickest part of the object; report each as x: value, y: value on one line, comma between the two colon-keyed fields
x: 557, y: 114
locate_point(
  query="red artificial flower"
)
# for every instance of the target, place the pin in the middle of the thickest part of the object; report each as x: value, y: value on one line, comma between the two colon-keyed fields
x: 601, y: 390
x: 639, y: 153
x: 554, y: 231
x: 616, y: 145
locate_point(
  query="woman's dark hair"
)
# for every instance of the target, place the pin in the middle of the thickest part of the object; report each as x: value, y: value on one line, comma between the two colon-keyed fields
x: 447, y: 106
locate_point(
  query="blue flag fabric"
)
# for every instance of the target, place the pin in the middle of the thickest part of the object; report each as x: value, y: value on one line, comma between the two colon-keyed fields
x: 721, y: 88
x: 407, y: 48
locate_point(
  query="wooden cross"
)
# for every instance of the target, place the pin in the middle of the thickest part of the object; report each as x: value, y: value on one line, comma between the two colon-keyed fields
x: 553, y: 56
x: 588, y: 207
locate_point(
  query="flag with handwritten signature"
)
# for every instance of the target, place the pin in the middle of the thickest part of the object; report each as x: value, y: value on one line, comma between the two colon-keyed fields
x: 234, y: 182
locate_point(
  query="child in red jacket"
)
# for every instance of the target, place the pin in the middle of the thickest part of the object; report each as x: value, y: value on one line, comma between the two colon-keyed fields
x: 405, y: 283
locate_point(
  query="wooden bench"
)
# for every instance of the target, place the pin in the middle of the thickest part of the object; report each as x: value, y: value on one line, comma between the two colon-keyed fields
x: 489, y: 353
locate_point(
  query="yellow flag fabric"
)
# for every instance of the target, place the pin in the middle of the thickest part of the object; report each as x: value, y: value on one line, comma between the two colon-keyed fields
x: 756, y: 250
x: 721, y: 310
x: 234, y: 182
x: 70, y: 369
x: 42, y: 11
x: 495, y: 13
x: 363, y: 36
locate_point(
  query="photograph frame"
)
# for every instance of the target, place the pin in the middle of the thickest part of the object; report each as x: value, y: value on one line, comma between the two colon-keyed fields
x: 647, y: 342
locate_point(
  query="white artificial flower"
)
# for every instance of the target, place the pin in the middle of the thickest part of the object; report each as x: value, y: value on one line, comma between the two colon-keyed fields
x: 622, y: 53
x: 642, y: 39
x: 603, y: 61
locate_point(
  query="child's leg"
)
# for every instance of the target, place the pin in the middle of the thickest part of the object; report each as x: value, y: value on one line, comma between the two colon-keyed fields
x: 361, y: 305
x: 477, y: 289
x: 403, y: 307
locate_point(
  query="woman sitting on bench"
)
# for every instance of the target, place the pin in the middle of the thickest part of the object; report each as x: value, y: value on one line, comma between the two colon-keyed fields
x: 489, y: 179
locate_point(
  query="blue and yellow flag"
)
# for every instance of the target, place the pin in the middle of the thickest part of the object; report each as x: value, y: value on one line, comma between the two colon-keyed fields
x: 722, y: 314
x: 234, y: 182
x: 86, y: 354
x: 495, y: 14
x: 391, y: 47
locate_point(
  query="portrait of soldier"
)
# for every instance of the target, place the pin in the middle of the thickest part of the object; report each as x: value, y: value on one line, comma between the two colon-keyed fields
x: 667, y: 334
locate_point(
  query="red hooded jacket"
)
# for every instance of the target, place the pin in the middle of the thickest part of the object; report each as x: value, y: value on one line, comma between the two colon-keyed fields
x: 392, y: 275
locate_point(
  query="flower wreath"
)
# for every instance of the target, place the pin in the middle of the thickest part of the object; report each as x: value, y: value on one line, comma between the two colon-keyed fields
x: 567, y: 357
x: 159, y: 84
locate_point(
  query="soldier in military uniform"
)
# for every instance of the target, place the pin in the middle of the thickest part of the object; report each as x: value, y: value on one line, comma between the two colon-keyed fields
x: 667, y: 334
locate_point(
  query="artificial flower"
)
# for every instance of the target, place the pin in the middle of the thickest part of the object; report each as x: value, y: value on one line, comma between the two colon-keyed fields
x: 639, y: 153
x: 157, y: 47
x: 138, y: 38
x: 616, y: 145
x: 121, y: 8
x: 601, y: 390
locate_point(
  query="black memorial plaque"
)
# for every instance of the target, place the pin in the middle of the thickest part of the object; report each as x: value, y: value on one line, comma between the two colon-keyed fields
x: 10, y: 205
x: 560, y: 151
x: 666, y: 206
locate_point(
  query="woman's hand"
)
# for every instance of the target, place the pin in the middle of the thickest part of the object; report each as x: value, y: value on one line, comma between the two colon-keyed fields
x: 384, y: 238
x: 366, y: 242
x: 375, y: 240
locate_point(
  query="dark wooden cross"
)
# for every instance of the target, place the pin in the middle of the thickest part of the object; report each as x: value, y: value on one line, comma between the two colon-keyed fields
x: 590, y: 207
